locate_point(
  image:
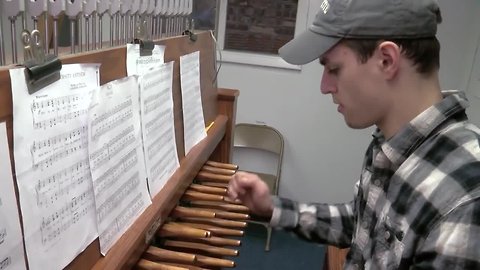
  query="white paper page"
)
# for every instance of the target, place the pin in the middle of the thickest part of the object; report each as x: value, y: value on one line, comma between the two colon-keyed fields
x: 11, y: 240
x: 193, y: 122
x: 137, y: 64
x: 116, y: 159
x: 51, y: 162
x: 158, y: 128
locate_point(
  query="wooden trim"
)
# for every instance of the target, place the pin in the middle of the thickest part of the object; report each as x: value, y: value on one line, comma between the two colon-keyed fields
x: 227, y: 105
x: 335, y: 258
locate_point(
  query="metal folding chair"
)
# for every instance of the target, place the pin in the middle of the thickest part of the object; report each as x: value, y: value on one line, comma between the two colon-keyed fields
x: 260, y: 141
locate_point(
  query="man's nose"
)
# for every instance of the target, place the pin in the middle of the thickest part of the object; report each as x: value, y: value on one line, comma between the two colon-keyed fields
x: 327, y: 85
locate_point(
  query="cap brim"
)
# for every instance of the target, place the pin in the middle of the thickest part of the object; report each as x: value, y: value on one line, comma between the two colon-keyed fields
x: 306, y: 47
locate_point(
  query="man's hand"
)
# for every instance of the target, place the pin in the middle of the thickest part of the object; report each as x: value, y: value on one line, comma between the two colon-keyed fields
x: 252, y: 191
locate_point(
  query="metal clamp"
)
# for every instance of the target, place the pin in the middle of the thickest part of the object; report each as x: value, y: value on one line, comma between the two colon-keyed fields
x: 40, y: 69
x: 146, y: 46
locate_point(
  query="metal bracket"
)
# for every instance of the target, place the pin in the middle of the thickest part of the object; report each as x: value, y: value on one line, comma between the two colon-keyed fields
x: 40, y: 69
x: 146, y: 46
x: 152, y: 230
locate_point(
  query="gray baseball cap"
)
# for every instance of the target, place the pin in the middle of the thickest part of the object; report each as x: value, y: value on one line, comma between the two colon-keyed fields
x: 362, y: 19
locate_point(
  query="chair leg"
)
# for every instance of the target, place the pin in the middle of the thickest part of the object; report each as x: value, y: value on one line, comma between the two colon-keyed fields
x: 269, y: 237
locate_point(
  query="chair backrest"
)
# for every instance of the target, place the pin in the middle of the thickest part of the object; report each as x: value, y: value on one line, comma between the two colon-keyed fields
x: 261, y: 137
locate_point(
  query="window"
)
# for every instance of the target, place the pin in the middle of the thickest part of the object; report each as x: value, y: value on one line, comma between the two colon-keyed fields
x: 251, y: 32
x: 259, y: 26
x: 204, y: 14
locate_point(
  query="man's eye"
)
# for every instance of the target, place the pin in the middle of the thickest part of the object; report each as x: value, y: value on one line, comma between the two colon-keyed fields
x: 333, y: 71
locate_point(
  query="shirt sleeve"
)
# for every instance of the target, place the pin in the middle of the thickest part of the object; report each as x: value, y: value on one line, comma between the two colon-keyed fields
x: 454, y: 243
x: 323, y: 223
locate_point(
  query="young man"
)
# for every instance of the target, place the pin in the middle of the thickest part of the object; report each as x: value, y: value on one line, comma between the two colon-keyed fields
x: 417, y: 202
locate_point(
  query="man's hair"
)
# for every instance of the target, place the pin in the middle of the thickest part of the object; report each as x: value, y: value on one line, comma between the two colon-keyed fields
x: 424, y: 53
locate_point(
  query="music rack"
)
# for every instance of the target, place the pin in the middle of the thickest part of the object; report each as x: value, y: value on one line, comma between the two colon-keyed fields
x: 219, y: 107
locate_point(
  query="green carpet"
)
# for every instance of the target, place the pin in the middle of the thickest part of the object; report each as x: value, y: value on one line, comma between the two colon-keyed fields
x: 287, y: 251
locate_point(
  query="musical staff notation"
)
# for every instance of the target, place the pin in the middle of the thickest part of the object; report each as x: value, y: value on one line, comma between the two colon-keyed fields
x: 3, y: 234
x: 49, y: 112
x: 155, y: 101
x: 163, y: 165
x: 151, y: 84
x: 113, y: 147
x: 62, y: 183
x: 53, y: 225
x: 57, y: 120
x: 107, y: 179
x: 47, y: 147
x: 191, y: 92
x: 191, y: 60
x: 120, y: 222
x: 47, y: 106
x: 155, y: 146
x: 5, y: 263
x: 189, y: 114
x: 116, y: 198
x: 194, y: 124
x: 50, y: 161
x: 53, y: 174
x: 111, y: 119
x: 153, y: 126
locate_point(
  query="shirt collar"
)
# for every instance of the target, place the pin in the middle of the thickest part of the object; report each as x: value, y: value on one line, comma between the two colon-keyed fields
x: 401, y: 145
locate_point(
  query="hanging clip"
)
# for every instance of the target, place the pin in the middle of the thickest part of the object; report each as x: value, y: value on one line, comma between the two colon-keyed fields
x: 187, y: 11
x: 40, y: 69
x: 192, y: 36
x: 146, y: 46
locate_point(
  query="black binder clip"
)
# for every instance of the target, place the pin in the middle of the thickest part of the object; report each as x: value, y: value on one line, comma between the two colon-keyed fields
x: 146, y: 46
x: 40, y: 69
x: 190, y: 35
x: 188, y: 31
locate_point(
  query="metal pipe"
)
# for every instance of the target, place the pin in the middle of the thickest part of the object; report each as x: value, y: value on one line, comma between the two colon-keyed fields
x: 87, y: 32
x: 35, y: 23
x: 100, y: 31
x: 24, y: 20
x: 2, y: 45
x: 117, y: 23
x: 72, y: 36
x: 122, y: 29
x: 55, y: 8
x: 55, y: 35
x: 14, y: 39
x: 36, y: 9
x: 102, y: 7
x: 47, y: 36
x: 111, y: 30
x: 94, y: 30
x: 80, y: 33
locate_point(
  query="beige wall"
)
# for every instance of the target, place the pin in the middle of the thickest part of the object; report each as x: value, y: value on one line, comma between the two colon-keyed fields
x: 323, y: 157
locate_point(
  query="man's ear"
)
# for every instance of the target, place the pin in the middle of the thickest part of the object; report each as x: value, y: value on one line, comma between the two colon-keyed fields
x: 388, y: 54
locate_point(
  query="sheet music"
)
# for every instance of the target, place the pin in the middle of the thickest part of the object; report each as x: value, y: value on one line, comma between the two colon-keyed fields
x: 11, y: 240
x: 158, y: 127
x: 137, y: 65
x: 116, y: 158
x: 51, y: 162
x: 193, y: 122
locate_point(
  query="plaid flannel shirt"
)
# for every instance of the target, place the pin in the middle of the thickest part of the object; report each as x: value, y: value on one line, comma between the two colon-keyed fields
x: 417, y: 202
